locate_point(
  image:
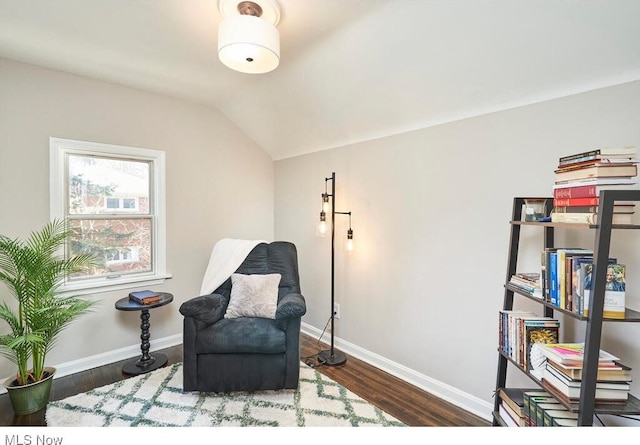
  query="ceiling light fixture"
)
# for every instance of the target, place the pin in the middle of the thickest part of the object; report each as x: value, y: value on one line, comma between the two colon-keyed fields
x: 248, y: 40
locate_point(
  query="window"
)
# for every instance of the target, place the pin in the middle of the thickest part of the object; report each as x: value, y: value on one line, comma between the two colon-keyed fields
x: 112, y: 197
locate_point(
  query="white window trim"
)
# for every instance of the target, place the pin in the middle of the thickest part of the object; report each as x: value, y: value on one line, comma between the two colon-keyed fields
x: 58, y: 149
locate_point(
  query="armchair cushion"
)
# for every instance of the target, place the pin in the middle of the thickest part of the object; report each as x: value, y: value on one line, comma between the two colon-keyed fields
x: 253, y: 296
x: 243, y: 335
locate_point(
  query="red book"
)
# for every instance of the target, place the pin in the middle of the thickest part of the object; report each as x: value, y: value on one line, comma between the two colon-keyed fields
x: 567, y: 202
x: 582, y: 191
x: 585, y: 191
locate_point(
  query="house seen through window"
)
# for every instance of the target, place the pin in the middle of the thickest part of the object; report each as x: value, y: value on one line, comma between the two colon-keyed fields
x: 110, y: 201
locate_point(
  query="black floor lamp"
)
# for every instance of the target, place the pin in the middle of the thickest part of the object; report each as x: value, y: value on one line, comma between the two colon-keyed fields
x: 332, y: 357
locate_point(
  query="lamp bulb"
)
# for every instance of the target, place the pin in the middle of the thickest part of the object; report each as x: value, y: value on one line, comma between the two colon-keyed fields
x: 350, y: 240
x: 322, y: 227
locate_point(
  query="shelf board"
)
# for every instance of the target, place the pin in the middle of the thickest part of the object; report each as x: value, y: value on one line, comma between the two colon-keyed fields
x: 630, y: 316
x: 572, y: 225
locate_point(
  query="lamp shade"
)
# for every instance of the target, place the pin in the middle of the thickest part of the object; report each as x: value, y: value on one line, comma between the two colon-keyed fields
x: 248, y: 44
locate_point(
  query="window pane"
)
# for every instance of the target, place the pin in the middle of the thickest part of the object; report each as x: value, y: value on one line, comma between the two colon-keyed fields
x: 122, y: 246
x: 100, y: 185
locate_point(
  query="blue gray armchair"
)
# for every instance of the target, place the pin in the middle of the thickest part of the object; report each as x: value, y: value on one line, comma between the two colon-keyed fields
x: 246, y: 353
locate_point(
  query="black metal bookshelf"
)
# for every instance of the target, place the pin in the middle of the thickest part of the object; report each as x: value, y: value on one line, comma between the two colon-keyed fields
x: 587, y: 406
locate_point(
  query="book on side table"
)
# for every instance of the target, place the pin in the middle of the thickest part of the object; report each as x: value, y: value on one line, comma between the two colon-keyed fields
x: 145, y: 296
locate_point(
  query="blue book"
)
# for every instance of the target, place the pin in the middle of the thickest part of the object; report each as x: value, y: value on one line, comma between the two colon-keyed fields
x: 577, y: 283
x: 144, y: 296
x: 553, y: 279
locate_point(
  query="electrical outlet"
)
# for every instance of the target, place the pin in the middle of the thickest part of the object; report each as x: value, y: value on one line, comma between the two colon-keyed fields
x: 336, y: 310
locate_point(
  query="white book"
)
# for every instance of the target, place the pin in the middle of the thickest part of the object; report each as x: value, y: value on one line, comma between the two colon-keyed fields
x: 573, y: 392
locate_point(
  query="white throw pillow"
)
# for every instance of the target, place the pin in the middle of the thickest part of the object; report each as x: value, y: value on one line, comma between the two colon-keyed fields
x: 253, y: 296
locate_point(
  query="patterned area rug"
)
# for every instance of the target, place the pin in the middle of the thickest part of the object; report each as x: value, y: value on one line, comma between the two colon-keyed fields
x: 156, y: 399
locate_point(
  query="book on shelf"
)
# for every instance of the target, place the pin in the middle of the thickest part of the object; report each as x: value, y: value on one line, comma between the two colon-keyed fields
x: 514, y: 398
x: 518, y: 419
x: 528, y: 400
x: 590, y: 218
x: 574, y: 402
x: 607, y: 372
x: 541, y: 408
x: 564, y: 273
x: 564, y: 421
x: 588, y: 201
x: 545, y: 272
x: 531, y: 287
x: 144, y: 296
x: 615, y: 290
x: 629, y: 151
x: 598, y: 171
x: 531, y: 277
x: 532, y: 419
x: 556, y: 271
x: 507, y: 417
x: 570, y: 390
x: 518, y: 346
x: 594, y: 163
x: 573, y: 383
x: 507, y: 330
x: 582, y: 268
x: 530, y: 329
x: 622, y: 180
x: 552, y: 416
x: 570, y: 191
x: 596, y: 160
x: 535, y: 331
x: 572, y: 353
x: 617, y: 208
x: 577, y: 282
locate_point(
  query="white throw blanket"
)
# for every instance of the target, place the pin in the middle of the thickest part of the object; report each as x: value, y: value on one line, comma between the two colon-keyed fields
x: 226, y: 257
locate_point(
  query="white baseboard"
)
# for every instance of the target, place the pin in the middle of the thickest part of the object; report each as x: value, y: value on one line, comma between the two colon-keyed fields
x: 105, y: 358
x: 453, y: 395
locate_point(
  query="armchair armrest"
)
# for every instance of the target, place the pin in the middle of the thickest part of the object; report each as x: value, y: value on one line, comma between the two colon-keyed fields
x: 206, y: 308
x: 291, y: 305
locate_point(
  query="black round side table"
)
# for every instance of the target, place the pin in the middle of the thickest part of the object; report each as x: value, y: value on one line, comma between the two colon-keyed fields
x: 146, y: 362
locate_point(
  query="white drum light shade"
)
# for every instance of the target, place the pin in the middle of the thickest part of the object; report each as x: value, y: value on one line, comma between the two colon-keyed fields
x: 248, y: 44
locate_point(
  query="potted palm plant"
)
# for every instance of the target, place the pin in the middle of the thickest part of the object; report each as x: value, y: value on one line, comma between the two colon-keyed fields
x: 32, y: 271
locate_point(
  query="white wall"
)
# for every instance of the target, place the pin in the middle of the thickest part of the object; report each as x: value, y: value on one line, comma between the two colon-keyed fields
x: 420, y: 294
x: 219, y: 184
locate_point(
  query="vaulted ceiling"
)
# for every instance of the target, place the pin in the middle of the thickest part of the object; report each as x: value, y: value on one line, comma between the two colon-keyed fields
x: 350, y: 70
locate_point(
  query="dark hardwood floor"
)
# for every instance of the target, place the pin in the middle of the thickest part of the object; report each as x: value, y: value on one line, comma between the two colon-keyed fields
x: 405, y: 402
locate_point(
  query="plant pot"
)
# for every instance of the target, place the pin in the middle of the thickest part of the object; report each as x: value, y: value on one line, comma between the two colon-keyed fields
x: 27, y: 399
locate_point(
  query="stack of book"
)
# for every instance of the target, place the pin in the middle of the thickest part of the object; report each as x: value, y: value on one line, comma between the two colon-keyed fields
x: 528, y: 282
x: 563, y: 374
x: 582, y: 176
x: 535, y: 403
x: 520, y: 330
x: 540, y: 408
x: 144, y: 296
x: 511, y: 406
x: 566, y: 282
